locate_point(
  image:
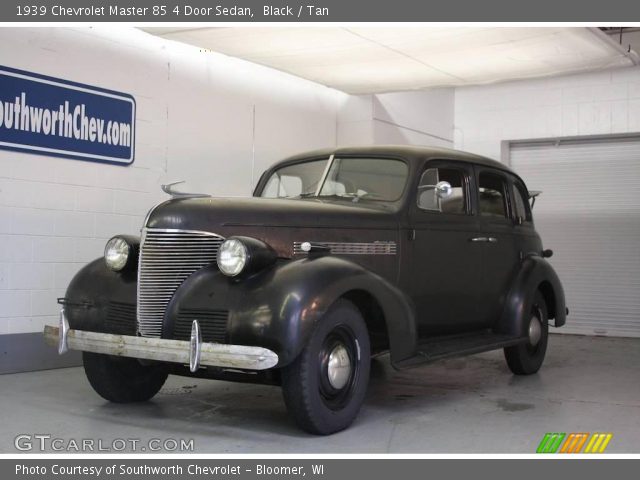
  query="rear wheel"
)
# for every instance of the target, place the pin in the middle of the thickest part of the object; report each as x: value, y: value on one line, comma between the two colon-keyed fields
x: 526, y: 358
x: 121, y: 379
x: 326, y: 385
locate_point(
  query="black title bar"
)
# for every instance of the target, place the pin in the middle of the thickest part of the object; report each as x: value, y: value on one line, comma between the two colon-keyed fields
x: 611, y: 11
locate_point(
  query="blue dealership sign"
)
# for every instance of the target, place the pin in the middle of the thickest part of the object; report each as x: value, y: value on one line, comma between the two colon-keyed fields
x: 50, y: 116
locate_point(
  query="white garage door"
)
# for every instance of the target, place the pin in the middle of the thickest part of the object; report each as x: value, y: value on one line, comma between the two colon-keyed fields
x: 589, y: 215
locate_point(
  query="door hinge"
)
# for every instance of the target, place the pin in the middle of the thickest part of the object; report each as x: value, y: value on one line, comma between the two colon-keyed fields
x: 411, y: 234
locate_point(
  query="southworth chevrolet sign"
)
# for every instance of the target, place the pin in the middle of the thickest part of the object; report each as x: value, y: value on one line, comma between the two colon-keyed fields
x: 50, y: 116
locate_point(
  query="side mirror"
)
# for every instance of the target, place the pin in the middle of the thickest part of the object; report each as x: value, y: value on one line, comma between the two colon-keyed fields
x: 443, y: 189
x: 533, y: 194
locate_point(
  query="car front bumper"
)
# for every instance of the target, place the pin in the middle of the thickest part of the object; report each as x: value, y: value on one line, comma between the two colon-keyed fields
x: 194, y: 353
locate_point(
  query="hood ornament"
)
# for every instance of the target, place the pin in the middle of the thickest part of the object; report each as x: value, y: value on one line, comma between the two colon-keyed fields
x: 168, y: 188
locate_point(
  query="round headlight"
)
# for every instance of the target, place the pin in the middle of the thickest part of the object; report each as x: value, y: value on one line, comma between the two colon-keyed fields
x: 116, y: 253
x: 232, y: 257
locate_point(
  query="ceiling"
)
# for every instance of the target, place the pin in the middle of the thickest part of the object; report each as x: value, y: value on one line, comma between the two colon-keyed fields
x: 370, y: 59
x: 627, y: 37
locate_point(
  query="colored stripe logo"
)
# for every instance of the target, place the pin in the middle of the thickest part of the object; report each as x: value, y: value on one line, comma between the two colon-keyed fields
x: 574, y: 442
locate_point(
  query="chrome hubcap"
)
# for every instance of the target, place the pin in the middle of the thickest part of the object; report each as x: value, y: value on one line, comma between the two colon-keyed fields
x: 535, y: 330
x: 339, y: 367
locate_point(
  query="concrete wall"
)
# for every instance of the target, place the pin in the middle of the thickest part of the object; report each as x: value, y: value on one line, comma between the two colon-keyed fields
x: 415, y: 118
x: 587, y: 104
x: 212, y: 120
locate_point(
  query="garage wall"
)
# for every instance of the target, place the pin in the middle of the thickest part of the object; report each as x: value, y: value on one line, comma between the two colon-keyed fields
x: 589, y: 214
x: 587, y: 169
x: 214, y: 121
x: 403, y: 118
x: 587, y: 104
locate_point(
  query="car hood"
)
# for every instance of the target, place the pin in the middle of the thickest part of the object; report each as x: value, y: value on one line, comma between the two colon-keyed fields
x: 214, y: 214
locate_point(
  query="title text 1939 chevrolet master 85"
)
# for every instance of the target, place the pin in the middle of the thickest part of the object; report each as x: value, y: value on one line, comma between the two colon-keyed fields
x: 340, y: 255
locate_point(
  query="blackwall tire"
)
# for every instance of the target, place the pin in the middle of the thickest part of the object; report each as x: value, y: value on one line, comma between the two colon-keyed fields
x: 527, y: 358
x: 123, y: 380
x: 322, y: 394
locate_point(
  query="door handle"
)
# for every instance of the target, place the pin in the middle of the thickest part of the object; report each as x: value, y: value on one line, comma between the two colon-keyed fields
x: 492, y: 240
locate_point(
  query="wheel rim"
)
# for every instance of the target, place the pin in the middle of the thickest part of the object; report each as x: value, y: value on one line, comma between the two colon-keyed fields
x: 338, y: 361
x: 535, y: 330
x: 339, y: 367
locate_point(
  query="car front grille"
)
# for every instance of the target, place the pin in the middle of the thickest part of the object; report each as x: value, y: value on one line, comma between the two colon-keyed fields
x: 213, y: 324
x: 167, y: 258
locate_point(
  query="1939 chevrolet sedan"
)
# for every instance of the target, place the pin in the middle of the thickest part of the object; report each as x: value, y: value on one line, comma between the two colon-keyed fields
x: 340, y: 255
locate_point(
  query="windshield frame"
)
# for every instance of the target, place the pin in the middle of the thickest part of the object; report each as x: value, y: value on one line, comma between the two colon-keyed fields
x: 330, y: 158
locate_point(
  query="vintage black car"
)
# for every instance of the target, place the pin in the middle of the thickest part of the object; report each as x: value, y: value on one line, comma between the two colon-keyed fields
x: 340, y: 255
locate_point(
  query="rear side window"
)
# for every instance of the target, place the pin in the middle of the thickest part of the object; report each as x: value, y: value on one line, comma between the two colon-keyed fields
x: 521, y: 205
x: 428, y: 198
x: 492, y: 195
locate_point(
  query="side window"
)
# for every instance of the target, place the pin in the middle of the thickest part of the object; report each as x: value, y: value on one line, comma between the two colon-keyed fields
x: 428, y: 199
x: 492, y: 195
x: 523, y: 210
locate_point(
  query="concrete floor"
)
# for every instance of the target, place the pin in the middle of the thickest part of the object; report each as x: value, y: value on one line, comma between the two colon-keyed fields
x: 470, y: 405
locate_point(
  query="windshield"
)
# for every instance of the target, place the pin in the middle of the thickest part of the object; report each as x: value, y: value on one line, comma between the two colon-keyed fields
x: 381, y: 179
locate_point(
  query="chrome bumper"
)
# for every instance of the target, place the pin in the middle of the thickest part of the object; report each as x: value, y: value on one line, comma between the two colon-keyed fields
x: 194, y: 353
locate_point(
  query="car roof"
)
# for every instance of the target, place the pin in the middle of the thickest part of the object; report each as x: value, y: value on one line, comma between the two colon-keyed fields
x: 411, y: 153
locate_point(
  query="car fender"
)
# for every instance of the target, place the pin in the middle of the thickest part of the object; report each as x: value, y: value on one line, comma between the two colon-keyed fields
x: 535, y: 273
x: 279, y: 307
x: 94, y: 291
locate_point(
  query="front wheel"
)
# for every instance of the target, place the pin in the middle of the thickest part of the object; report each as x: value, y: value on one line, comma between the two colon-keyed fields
x: 526, y: 358
x: 122, y: 379
x: 326, y: 385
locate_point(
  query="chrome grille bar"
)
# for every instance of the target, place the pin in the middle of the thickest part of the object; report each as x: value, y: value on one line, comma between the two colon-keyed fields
x: 167, y: 258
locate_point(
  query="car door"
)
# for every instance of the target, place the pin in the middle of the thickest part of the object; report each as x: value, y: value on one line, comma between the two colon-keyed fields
x: 445, y: 264
x: 500, y: 258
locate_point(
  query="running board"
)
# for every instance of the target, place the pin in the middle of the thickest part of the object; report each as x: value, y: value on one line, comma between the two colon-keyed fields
x: 438, y: 348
